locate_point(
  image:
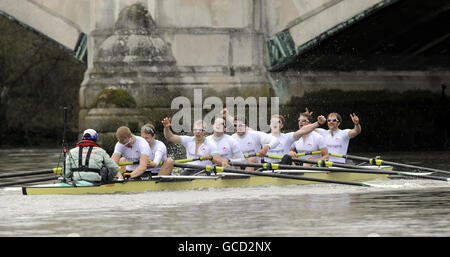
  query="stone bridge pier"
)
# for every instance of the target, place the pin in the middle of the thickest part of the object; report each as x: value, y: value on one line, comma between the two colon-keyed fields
x: 142, y: 54
x: 156, y: 51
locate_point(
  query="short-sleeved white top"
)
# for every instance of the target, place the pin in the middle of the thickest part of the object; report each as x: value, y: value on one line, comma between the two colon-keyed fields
x: 133, y: 154
x: 228, y: 147
x: 286, y: 140
x: 158, y: 149
x: 313, y: 142
x: 252, y: 141
x: 336, y: 142
x: 207, y: 147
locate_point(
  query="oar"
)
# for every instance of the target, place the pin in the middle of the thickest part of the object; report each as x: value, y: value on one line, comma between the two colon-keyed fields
x: 211, y: 168
x: 135, y: 162
x: 374, y: 161
x: 323, y: 163
x: 309, y: 153
x: 275, y: 166
x: 278, y: 157
x: 26, y: 181
x: 161, y: 163
x: 31, y: 173
x: 191, y: 160
x: 298, y: 154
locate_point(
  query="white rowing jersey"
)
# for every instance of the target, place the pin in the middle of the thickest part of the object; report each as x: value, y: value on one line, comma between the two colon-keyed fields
x: 286, y: 140
x: 158, y: 154
x: 207, y: 147
x: 228, y: 148
x: 133, y: 154
x: 252, y: 142
x: 313, y: 141
x: 336, y: 142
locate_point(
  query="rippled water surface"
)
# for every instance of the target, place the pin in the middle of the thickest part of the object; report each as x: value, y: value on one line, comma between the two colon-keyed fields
x: 416, y: 207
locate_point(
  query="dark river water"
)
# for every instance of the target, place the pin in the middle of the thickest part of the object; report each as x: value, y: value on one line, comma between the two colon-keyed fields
x: 404, y: 208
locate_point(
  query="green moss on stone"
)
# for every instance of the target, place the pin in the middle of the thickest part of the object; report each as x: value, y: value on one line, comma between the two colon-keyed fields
x: 114, y: 98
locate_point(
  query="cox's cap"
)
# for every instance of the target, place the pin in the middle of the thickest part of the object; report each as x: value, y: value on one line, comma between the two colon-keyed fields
x: 90, y: 134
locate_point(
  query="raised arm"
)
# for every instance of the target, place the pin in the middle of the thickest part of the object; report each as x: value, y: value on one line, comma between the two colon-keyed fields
x: 171, y: 137
x: 357, y: 129
x: 310, y: 127
x: 227, y: 117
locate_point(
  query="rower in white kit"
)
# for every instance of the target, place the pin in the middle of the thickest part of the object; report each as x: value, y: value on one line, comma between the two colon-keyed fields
x: 310, y: 142
x: 252, y: 142
x: 287, y: 139
x: 196, y: 146
x: 227, y: 146
x: 337, y: 140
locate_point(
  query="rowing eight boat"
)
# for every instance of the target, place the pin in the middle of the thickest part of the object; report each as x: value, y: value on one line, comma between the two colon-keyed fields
x: 174, y: 182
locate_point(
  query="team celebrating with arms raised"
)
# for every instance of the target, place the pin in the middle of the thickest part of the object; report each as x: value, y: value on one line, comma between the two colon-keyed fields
x: 141, y: 157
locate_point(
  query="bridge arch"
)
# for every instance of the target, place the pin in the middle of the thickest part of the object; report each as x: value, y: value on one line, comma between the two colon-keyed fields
x: 65, y: 23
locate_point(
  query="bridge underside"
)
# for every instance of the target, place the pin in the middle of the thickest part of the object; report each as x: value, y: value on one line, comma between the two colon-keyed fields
x: 407, y: 35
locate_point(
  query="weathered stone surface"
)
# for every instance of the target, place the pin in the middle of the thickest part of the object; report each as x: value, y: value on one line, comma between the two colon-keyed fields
x: 133, y: 43
x: 155, y: 69
x: 109, y: 119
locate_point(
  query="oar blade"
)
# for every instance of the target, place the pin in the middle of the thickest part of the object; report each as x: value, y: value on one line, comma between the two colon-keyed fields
x: 376, y: 161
